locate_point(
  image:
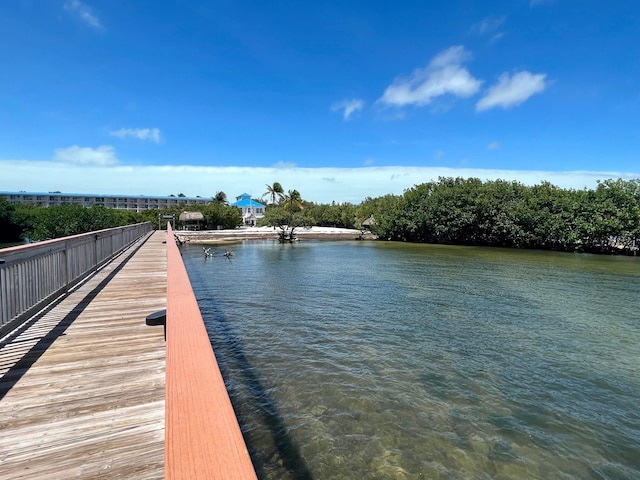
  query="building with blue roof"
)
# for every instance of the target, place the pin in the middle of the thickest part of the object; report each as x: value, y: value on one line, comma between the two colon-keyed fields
x: 251, y: 210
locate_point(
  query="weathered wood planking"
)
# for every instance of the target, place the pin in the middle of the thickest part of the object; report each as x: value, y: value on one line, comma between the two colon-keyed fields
x: 92, y: 404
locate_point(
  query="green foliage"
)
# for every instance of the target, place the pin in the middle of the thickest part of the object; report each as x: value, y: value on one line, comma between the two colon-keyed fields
x: 287, y: 216
x: 218, y: 214
x: 386, y: 211
x: 274, y: 192
x: 341, y: 215
x: 278, y: 216
x: 220, y: 197
x: 10, y: 228
x: 292, y: 201
x: 215, y: 215
x: 42, y: 223
x: 509, y: 214
x: 451, y: 210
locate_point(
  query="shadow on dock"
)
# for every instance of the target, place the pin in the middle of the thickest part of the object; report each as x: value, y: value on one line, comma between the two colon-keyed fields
x: 253, y: 405
x: 16, y: 371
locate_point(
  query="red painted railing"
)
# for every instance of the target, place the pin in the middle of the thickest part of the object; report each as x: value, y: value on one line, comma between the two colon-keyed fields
x: 202, y: 435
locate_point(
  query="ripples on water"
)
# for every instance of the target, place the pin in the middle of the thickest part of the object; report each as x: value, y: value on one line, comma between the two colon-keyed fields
x: 390, y: 361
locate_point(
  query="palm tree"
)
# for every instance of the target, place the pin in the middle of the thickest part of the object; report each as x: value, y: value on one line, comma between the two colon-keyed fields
x: 292, y: 218
x: 275, y: 192
x: 220, y: 197
x: 293, y: 200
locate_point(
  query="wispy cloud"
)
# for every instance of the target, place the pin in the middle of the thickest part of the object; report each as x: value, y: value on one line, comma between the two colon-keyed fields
x: 496, y: 37
x: 488, y: 25
x: 148, y: 134
x: 512, y: 90
x: 104, y: 155
x: 494, y: 146
x: 84, y: 13
x: 284, y: 165
x: 535, y: 3
x: 339, y: 184
x: 348, y: 107
x: 443, y: 75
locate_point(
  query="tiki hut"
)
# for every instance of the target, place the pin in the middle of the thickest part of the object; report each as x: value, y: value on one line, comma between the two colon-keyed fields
x: 366, y: 224
x: 191, y: 220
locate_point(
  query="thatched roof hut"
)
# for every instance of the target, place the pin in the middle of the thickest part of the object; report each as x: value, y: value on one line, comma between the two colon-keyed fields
x: 191, y: 216
x: 191, y: 220
x: 368, y: 222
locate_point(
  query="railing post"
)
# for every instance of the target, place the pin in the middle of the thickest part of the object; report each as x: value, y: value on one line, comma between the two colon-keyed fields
x: 95, y: 253
x: 65, y: 267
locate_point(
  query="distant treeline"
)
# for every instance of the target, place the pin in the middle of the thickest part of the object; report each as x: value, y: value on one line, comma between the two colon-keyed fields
x: 450, y: 211
x: 42, y: 223
x: 509, y: 214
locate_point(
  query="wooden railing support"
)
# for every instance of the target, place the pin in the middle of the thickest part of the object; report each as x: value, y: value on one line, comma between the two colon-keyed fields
x: 202, y: 435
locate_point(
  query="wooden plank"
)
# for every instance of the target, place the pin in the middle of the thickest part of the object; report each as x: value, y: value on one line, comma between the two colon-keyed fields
x: 92, y: 404
x: 203, y: 438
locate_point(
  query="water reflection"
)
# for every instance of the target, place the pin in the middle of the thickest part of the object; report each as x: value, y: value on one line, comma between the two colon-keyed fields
x: 412, y: 361
x: 255, y: 408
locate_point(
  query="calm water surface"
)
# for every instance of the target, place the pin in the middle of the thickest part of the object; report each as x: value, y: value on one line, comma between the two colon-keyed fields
x: 360, y: 360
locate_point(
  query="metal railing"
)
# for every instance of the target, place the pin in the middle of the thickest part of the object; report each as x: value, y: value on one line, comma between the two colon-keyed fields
x: 33, y: 275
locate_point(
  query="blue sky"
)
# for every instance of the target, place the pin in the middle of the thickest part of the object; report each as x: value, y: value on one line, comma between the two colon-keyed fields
x: 338, y: 99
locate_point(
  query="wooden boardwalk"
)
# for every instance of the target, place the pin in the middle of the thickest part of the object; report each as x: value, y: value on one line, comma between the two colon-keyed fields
x: 82, y: 386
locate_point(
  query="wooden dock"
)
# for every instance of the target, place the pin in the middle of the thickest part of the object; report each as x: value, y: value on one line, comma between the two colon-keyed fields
x: 82, y: 386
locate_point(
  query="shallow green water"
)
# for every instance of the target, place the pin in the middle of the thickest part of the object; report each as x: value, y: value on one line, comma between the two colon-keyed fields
x: 389, y: 361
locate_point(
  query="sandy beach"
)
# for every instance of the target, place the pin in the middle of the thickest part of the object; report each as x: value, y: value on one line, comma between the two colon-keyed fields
x: 266, y: 233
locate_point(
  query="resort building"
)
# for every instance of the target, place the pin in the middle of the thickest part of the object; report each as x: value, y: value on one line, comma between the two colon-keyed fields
x: 251, y: 210
x: 137, y: 204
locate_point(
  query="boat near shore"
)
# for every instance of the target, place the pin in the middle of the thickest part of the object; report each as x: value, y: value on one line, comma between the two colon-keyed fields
x: 206, y: 237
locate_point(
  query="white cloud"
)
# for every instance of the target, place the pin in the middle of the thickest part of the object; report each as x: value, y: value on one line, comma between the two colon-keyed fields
x: 488, y: 24
x: 443, y: 75
x: 150, y: 134
x: 84, y: 12
x: 284, y: 165
x: 104, y: 155
x: 315, y: 184
x: 496, y: 37
x: 348, y: 107
x: 493, y: 146
x: 513, y: 90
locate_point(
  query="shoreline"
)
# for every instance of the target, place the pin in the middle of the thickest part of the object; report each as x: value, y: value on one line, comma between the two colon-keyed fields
x: 208, y: 237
